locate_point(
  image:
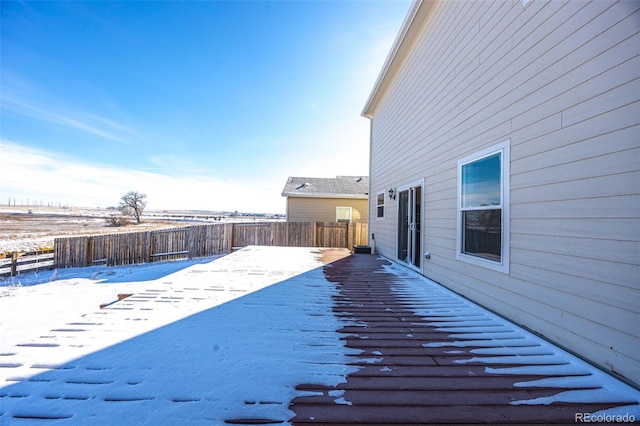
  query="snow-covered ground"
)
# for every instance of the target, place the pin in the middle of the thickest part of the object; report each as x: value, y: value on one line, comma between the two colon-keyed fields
x: 201, y: 342
x: 163, y: 355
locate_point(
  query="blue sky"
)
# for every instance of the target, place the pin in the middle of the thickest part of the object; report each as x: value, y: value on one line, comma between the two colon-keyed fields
x: 200, y: 105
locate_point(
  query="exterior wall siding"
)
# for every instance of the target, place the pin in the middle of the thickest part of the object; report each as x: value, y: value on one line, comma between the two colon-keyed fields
x: 561, y: 81
x: 309, y: 209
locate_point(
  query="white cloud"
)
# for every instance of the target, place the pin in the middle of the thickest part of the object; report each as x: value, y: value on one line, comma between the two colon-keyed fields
x: 336, y: 143
x: 40, y: 176
x: 83, y: 122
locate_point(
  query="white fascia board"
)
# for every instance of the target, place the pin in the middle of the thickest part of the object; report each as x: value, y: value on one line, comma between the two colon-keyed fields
x: 401, y: 46
x: 355, y: 197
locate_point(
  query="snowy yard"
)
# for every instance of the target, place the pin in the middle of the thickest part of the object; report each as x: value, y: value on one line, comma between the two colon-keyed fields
x: 201, y: 342
x: 163, y: 355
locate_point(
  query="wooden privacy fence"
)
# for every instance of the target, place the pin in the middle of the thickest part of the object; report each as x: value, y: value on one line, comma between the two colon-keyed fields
x: 201, y: 241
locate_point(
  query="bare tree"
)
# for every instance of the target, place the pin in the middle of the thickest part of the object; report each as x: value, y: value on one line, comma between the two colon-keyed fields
x: 133, y: 203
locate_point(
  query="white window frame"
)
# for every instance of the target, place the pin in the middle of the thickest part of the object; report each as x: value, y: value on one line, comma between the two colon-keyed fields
x: 350, y: 209
x: 378, y: 205
x: 504, y: 149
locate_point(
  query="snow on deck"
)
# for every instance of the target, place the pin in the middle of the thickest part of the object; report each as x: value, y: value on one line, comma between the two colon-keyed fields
x: 428, y: 356
x: 269, y: 334
x: 211, y: 342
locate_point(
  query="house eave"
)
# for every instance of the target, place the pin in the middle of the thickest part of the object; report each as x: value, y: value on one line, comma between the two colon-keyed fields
x: 402, y: 45
x: 345, y: 196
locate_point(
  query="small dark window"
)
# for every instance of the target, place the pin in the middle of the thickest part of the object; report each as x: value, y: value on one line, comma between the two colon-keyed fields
x: 380, y: 206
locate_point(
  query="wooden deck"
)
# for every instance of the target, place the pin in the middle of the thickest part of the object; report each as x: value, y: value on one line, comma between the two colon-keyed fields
x: 231, y: 341
x: 414, y: 372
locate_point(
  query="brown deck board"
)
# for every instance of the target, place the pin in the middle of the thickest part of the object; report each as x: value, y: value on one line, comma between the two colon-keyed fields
x: 413, y: 369
x: 390, y: 370
x: 438, y: 414
x: 425, y: 397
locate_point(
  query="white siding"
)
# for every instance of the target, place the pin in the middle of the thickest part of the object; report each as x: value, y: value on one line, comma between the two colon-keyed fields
x: 561, y: 81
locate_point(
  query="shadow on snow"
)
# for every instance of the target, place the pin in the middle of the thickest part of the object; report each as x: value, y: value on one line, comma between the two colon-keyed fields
x: 241, y: 359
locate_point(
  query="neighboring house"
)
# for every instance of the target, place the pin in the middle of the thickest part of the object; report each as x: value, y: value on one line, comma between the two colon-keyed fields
x: 505, y: 164
x: 340, y: 199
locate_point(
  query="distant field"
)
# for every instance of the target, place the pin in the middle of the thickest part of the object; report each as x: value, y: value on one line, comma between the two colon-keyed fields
x: 24, y: 231
x: 27, y: 228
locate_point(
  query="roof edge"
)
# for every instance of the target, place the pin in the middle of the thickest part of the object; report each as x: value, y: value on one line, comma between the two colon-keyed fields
x: 401, y: 46
x: 354, y: 196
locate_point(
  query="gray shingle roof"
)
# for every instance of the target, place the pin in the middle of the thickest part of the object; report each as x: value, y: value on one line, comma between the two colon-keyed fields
x: 338, y: 187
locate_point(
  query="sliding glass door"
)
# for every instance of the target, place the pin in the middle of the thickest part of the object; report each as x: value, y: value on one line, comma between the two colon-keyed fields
x: 409, y: 223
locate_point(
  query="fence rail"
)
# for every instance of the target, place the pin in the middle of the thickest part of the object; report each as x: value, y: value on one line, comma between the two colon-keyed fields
x: 13, y: 263
x: 201, y: 241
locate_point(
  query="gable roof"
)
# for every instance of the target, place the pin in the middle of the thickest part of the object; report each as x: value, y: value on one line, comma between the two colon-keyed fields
x: 338, y: 187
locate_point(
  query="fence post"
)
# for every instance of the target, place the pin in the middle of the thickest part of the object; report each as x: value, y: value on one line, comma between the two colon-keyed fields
x: 90, y: 252
x: 14, y: 263
x: 228, y: 237
x: 187, y: 242
x: 152, y: 238
x: 190, y: 240
x: 347, y: 235
x: 315, y: 234
x: 273, y: 237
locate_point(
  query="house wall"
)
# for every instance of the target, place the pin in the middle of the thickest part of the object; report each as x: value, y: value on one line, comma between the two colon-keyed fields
x: 308, y: 209
x: 560, y: 81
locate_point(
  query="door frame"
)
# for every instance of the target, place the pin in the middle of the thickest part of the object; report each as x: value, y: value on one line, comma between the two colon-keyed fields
x: 419, y: 229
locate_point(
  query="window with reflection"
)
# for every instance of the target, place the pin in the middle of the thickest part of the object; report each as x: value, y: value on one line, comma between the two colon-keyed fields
x: 481, y: 207
x: 482, y: 210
